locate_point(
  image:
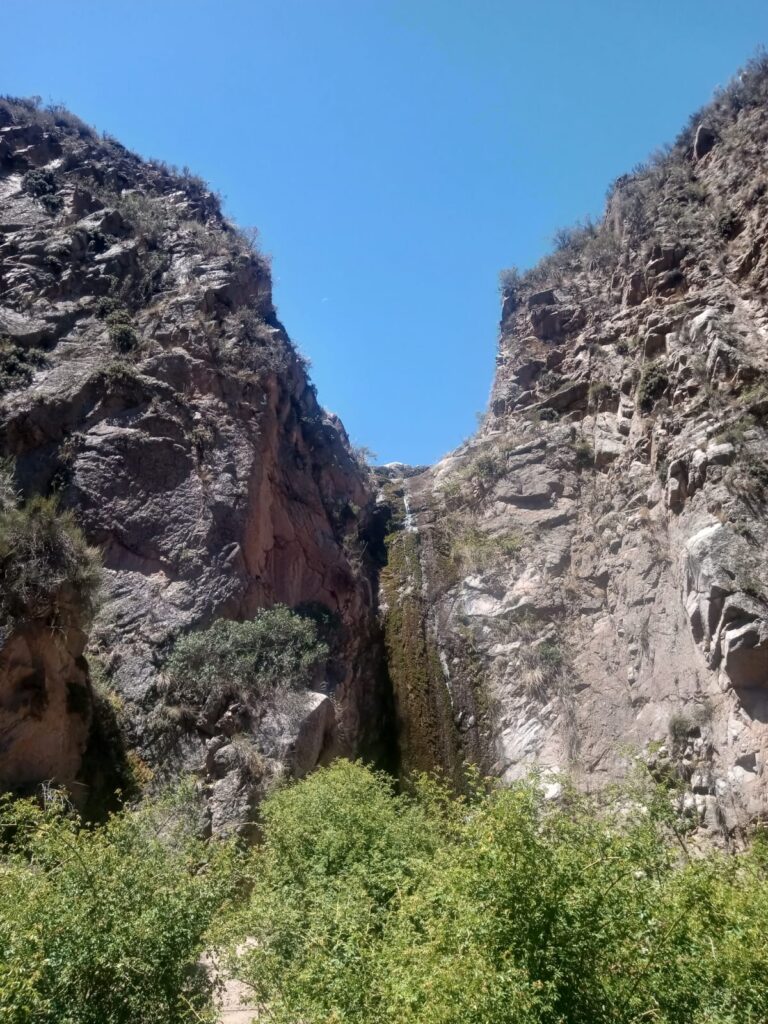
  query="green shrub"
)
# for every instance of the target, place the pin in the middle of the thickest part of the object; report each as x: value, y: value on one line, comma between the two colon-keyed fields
x: 550, y: 381
x: 277, y: 649
x: 339, y: 850
x: 680, y: 726
x: 18, y: 364
x: 151, y: 216
x: 583, y: 451
x: 370, y: 907
x: 600, y: 391
x: 539, y: 669
x: 42, y: 185
x: 48, y: 570
x: 653, y: 382
x: 487, y: 466
x: 106, y: 924
x: 121, y: 330
x: 364, y: 456
x: 119, y: 375
x: 471, y: 549
x: 550, y: 654
x: 735, y: 432
x: 483, y: 468
x: 510, y: 280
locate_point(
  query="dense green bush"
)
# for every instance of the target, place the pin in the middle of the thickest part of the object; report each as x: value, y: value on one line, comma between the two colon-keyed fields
x: 18, y: 364
x: 368, y: 906
x: 42, y: 185
x: 653, y: 383
x: 122, y: 333
x: 48, y: 571
x: 372, y: 907
x: 278, y: 648
x: 339, y: 848
x: 106, y: 925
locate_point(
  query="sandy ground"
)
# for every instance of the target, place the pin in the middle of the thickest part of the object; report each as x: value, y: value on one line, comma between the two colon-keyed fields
x: 236, y: 1004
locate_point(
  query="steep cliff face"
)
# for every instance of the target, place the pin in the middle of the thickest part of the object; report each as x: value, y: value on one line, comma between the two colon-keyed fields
x: 147, y: 381
x: 591, y: 565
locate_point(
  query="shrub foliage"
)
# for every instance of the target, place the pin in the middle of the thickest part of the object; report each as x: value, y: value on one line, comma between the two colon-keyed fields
x: 48, y: 570
x: 369, y: 906
x: 105, y: 925
x: 18, y: 365
x: 362, y: 905
x: 279, y: 648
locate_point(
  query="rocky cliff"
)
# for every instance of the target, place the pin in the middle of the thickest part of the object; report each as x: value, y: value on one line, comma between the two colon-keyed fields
x: 586, y: 577
x: 146, y: 381
x: 582, y: 581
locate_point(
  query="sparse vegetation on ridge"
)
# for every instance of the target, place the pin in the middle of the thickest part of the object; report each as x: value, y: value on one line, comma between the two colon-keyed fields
x: 49, y: 571
x: 660, y: 197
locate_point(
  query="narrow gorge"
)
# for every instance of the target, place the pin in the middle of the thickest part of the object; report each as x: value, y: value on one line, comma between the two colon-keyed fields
x: 581, y: 583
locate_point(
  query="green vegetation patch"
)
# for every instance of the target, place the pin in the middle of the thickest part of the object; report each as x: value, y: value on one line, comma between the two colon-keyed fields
x: 362, y: 904
x: 48, y: 570
x: 277, y: 649
x: 18, y: 365
x: 654, y: 381
x: 107, y: 924
x: 122, y: 332
x: 473, y: 550
x: 426, y: 731
x: 369, y: 907
x: 735, y: 433
x: 42, y: 185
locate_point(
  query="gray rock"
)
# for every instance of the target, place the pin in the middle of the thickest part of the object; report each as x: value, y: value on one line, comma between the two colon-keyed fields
x: 704, y: 141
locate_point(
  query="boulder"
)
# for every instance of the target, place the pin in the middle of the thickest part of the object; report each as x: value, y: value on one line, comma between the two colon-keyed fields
x: 548, y: 297
x: 704, y: 141
x: 745, y: 653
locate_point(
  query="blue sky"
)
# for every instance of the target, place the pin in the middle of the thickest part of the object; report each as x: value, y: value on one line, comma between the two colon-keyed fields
x: 395, y: 154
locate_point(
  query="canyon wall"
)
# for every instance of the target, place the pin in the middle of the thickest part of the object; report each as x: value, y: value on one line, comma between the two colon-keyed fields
x: 580, y: 585
x: 148, y: 383
x: 590, y: 567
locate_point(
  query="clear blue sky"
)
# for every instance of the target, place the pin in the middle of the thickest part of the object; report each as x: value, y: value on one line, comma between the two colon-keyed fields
x: 395, y: 154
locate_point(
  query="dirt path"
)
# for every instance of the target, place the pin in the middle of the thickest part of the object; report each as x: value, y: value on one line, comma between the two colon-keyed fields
x: 237, y: 1005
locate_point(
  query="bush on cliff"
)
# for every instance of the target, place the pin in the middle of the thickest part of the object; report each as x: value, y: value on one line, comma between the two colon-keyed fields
x: 18, y: 364
x: 47, y: 568
x: 278, y: 648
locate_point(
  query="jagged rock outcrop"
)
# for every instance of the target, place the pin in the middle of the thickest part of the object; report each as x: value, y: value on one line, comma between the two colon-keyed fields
x: 146, y: 379
x: 591, y: 566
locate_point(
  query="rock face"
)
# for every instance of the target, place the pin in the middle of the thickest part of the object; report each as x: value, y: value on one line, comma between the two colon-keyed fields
x: 45, y: 705
x: 591, y: 566
x: 146, y: 379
